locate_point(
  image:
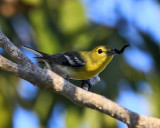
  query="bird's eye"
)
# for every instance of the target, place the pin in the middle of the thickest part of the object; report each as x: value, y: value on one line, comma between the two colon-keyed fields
x: 100, y: 51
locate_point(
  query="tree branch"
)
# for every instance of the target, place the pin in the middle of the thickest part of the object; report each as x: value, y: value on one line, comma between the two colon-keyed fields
x: 47, y: 79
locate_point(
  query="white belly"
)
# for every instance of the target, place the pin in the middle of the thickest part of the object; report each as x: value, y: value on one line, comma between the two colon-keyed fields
x: 61, y: 70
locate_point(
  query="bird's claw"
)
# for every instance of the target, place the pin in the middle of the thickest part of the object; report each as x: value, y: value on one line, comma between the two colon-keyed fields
x: 86, y: 85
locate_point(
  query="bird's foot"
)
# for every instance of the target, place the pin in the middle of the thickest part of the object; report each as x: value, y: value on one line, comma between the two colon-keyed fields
x: 67, y: 77
x: 86, y: 85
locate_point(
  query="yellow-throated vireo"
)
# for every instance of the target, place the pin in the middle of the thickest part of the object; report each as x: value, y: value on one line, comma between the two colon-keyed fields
x: 79, y: 65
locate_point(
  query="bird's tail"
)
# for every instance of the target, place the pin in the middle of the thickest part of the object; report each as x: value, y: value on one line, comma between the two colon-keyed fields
x: 42, y: 56
x: 38, y: 53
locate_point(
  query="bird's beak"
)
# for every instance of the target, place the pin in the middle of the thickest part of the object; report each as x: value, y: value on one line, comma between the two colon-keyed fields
x: 115, y: 51
x: 111, y: 52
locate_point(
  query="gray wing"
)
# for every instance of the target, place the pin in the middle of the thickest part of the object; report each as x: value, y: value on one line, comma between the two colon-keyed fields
x: 71, y: 59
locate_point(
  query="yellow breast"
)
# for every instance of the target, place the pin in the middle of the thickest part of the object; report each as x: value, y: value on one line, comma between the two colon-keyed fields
x: 92, y: 67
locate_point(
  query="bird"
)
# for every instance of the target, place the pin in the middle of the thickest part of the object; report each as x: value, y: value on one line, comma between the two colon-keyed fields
x: 79, y: 65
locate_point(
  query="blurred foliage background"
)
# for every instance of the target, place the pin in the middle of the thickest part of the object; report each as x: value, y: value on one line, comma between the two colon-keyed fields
x: 52, y: 26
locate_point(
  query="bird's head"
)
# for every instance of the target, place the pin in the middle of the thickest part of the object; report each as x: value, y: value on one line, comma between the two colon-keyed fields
x: 104, y: 52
